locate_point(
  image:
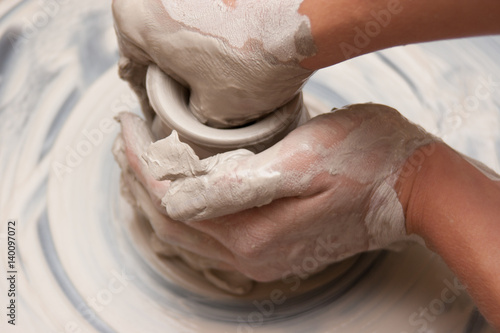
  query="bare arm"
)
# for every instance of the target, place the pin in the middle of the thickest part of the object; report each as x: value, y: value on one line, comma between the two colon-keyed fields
x: 345, y: 29
x: 455, y: 208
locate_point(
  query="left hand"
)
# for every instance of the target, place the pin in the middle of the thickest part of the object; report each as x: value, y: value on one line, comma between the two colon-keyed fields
x: 240, y: 63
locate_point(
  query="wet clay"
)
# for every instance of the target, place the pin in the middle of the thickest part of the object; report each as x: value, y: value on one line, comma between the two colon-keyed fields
x: 72, y: 226
x: 234, y: 78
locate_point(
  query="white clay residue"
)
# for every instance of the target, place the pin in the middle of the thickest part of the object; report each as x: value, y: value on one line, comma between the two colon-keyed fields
x: 171, y: 159
x: 142, y: 193
x: 236, y: 85
x: 83, y: 266
x: 244, y: 181
x: 275, y: 25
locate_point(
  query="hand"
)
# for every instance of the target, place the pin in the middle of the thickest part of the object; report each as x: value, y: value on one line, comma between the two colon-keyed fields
x: 240, y: 62
x: 169, y: 238
x: 324, y: 192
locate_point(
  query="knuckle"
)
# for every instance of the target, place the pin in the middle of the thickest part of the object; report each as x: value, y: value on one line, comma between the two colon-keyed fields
x: 251, y: 246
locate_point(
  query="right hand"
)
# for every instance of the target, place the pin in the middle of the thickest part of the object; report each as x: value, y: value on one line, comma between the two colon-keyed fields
x: 239, y: 61
x: 324, y: 192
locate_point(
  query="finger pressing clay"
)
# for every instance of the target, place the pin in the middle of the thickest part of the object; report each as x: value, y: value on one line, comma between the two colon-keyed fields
x: 192, y: 178
x: 239, y: 61
x: 170, y: 238
x: 170, y: 159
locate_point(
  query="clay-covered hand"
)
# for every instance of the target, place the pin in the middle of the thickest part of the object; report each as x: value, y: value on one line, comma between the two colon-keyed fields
x: 324, y: 193
x: 240, y: 59
x: 169, y: 238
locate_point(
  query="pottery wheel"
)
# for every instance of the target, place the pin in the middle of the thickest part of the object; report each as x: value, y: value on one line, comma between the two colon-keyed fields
x: 82, y: 263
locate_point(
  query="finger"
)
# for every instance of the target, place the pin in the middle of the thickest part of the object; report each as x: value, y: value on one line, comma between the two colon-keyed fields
x: 294, y: 166
x: 218, y: 273
x: 119, y: 153
x: 177, y: 233
x: 121, y: 159
x: 171, y: 159
x: 136, y: 138
x: 231, y: 281
x: 195, y: 261
x: 241, y: 182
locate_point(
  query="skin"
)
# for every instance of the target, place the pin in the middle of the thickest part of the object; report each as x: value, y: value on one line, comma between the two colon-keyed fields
x: 446, y: 201
x: 451, y: 205
x: 252, y: 82
x: 454, y: 207
x: 334, y: 22
x: 329, y: 208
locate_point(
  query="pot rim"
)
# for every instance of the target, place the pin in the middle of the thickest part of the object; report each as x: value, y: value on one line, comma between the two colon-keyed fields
x: 169, y: 100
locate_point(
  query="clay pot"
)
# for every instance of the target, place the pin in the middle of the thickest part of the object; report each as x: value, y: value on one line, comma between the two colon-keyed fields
x: 170, y: 101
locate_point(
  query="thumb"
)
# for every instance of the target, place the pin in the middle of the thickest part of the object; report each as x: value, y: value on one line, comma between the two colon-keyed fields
x: 235, y: 181
x: 215, y: 186
x: 231, y: 186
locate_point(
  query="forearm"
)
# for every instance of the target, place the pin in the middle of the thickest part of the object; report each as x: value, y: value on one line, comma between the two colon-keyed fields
x: 344, y: 29
x: 455, y: 208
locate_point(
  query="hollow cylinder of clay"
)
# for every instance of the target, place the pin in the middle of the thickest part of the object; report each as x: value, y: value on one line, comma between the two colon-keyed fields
x: 170, y: 101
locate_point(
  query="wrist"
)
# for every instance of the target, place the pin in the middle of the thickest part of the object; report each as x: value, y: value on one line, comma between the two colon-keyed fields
x: 417, y: 185
x: 454, y: 207
x: 436, y: 183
